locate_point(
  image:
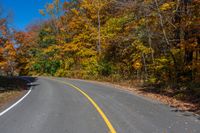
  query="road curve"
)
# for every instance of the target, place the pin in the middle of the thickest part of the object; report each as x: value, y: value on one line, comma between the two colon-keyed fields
x: 56, y: 106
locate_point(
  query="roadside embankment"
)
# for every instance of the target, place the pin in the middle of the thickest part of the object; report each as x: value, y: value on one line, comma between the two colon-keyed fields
x: 11, y: 88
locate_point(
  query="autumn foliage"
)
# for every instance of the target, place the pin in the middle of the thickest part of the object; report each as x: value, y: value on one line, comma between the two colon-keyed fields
x: 155, y: 41
x: 7, y: 51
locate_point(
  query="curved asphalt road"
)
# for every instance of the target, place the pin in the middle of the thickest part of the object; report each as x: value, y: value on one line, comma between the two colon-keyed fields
x: 55, y: 107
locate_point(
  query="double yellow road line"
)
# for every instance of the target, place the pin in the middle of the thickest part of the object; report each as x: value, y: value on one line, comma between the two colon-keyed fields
x: 99, y: 110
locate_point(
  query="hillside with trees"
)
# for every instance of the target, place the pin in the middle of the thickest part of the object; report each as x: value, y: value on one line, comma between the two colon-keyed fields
x: 155, y: 42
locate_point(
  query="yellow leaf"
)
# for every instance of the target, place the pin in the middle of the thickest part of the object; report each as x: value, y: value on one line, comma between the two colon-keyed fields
x: 167, y: 6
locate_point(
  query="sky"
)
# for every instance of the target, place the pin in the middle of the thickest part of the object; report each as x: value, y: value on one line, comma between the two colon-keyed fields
x: 23, y: 12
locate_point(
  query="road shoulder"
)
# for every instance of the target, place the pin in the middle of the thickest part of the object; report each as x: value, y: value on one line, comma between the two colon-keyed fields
x: 11, y: 90
x: 167, y: 100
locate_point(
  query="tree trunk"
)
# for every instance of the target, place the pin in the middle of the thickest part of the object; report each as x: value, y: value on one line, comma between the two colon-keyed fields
x: 166, y: 39
x: 99, y: 32
x: 145, y: 67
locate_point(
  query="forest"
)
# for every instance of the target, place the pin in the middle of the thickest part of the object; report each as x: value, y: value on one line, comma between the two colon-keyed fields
x: 156, y: 42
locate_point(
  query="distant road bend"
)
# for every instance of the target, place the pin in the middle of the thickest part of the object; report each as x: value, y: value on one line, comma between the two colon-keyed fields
x: 61, y: 105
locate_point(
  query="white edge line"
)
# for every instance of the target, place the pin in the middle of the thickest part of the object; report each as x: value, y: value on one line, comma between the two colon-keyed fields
x: 12, y: 106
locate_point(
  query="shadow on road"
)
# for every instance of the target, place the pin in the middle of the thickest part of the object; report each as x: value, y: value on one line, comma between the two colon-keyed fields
x: 30, y: 81
x: 16, y: 83
x: 187, y: 113
x: 187, y: 100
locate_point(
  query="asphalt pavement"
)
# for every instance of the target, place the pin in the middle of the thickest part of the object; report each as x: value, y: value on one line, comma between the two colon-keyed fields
x: 62, y: 105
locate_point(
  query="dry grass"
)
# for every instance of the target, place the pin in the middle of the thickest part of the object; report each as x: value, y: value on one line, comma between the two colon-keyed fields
x: 9, y: 96
x: 11, y: 88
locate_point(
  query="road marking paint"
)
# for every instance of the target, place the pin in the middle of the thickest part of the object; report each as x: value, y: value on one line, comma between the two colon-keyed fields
x: 100, y: 111
x: 12, y: 106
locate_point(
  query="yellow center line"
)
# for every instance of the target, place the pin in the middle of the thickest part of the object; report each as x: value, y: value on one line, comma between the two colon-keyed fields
x: 100, y: 111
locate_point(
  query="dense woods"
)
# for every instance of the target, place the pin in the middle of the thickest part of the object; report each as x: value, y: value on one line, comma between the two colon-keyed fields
x: 157, y: 42
x: 7, y: 51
